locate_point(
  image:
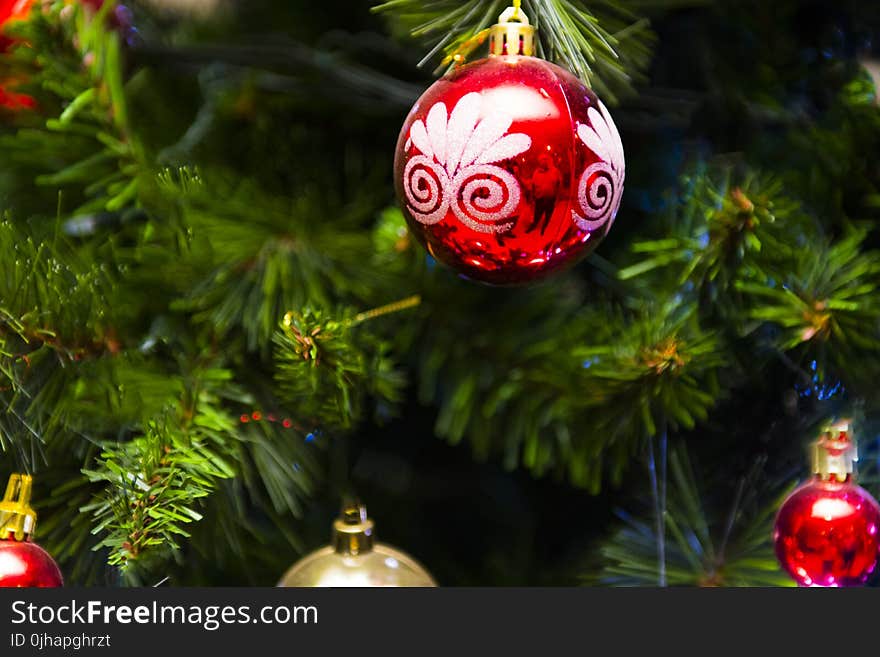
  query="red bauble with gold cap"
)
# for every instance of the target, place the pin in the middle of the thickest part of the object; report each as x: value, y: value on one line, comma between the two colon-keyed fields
x: 26, y: 564
x: 22, y: 562
x: 827, y: 531
x: 509, y: 168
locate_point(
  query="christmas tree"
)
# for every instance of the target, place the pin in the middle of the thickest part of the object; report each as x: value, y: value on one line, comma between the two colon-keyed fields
x: 216, y: 325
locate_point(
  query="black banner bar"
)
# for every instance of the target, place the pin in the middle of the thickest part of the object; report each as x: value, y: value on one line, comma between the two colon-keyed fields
x: 499, y: 621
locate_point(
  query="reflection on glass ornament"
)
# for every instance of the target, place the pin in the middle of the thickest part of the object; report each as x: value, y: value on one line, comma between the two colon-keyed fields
x: 355, y: 560
x: 22, y: 563
x: 509, y: 168
x: 826, y: 531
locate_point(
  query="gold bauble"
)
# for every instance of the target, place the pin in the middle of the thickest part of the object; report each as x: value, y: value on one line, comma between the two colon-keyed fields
x: 355, y: 560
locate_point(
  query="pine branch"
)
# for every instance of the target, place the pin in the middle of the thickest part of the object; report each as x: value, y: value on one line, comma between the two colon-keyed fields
x: 328, y: 366
x: 756, y: 259
x: 69, y: 61
x: 827, y: 306
x: 662, y: 367
x: 152, y: 482
x: 729, y: 546
x: 248, y: 256
x: 604, y: 43
x: 53, y: 314
x: 824, y: 158
x: 724, y: 227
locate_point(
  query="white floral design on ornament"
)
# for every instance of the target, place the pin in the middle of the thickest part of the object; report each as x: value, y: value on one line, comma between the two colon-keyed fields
x: 455, y: 169
x: 601, y: 183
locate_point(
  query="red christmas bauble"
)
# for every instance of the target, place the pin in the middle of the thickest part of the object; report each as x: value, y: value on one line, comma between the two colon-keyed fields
x: 14, y: 9
x: 26, y: 564
x: 11, y: 10
x: 509, y: 169
x: 826, y: 534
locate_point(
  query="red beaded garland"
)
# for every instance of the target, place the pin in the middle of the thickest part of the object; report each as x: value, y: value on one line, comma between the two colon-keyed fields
x: 26, y: 564
x: 509, y: 169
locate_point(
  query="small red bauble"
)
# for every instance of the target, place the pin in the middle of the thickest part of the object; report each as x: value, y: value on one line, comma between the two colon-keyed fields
x: 509, y: 169
x: 827, y: 534
x: 826, y: 531
x: 23, y: 563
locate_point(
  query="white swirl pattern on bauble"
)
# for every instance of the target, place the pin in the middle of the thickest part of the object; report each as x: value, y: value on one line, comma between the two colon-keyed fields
x: 456, y: 166
x: 601, y: 184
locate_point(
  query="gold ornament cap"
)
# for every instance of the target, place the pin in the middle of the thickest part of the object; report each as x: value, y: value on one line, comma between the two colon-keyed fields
x: 835, y: 453
x: 513, y: 34
x: 353, y: 531
x: 17, y: 518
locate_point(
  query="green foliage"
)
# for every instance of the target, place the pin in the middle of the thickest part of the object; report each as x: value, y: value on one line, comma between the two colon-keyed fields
x: 40, y: 288
x: 827, y: 160
x: 71, y: 64
x: 662, y: 367
x: 605, y: 43
x: 725, y: 228
x: 53, y: 313
x: 754, y: 258
x: 828, y: 304
x: 154, y: 484
x: 328, y: 367
x: 717, y: 546
x: 250, y: 256
x: 582, y: 382
x: 99, y: 377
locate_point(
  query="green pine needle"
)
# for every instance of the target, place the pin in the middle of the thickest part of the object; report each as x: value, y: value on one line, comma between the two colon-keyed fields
x: 726, y: 546
x: 604, y: 44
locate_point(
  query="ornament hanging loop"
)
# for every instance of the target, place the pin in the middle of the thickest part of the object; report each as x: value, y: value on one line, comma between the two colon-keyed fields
x: 513, y: 34
x: 834, y: 453
x: 353, y: 530
x: 17, y: 518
